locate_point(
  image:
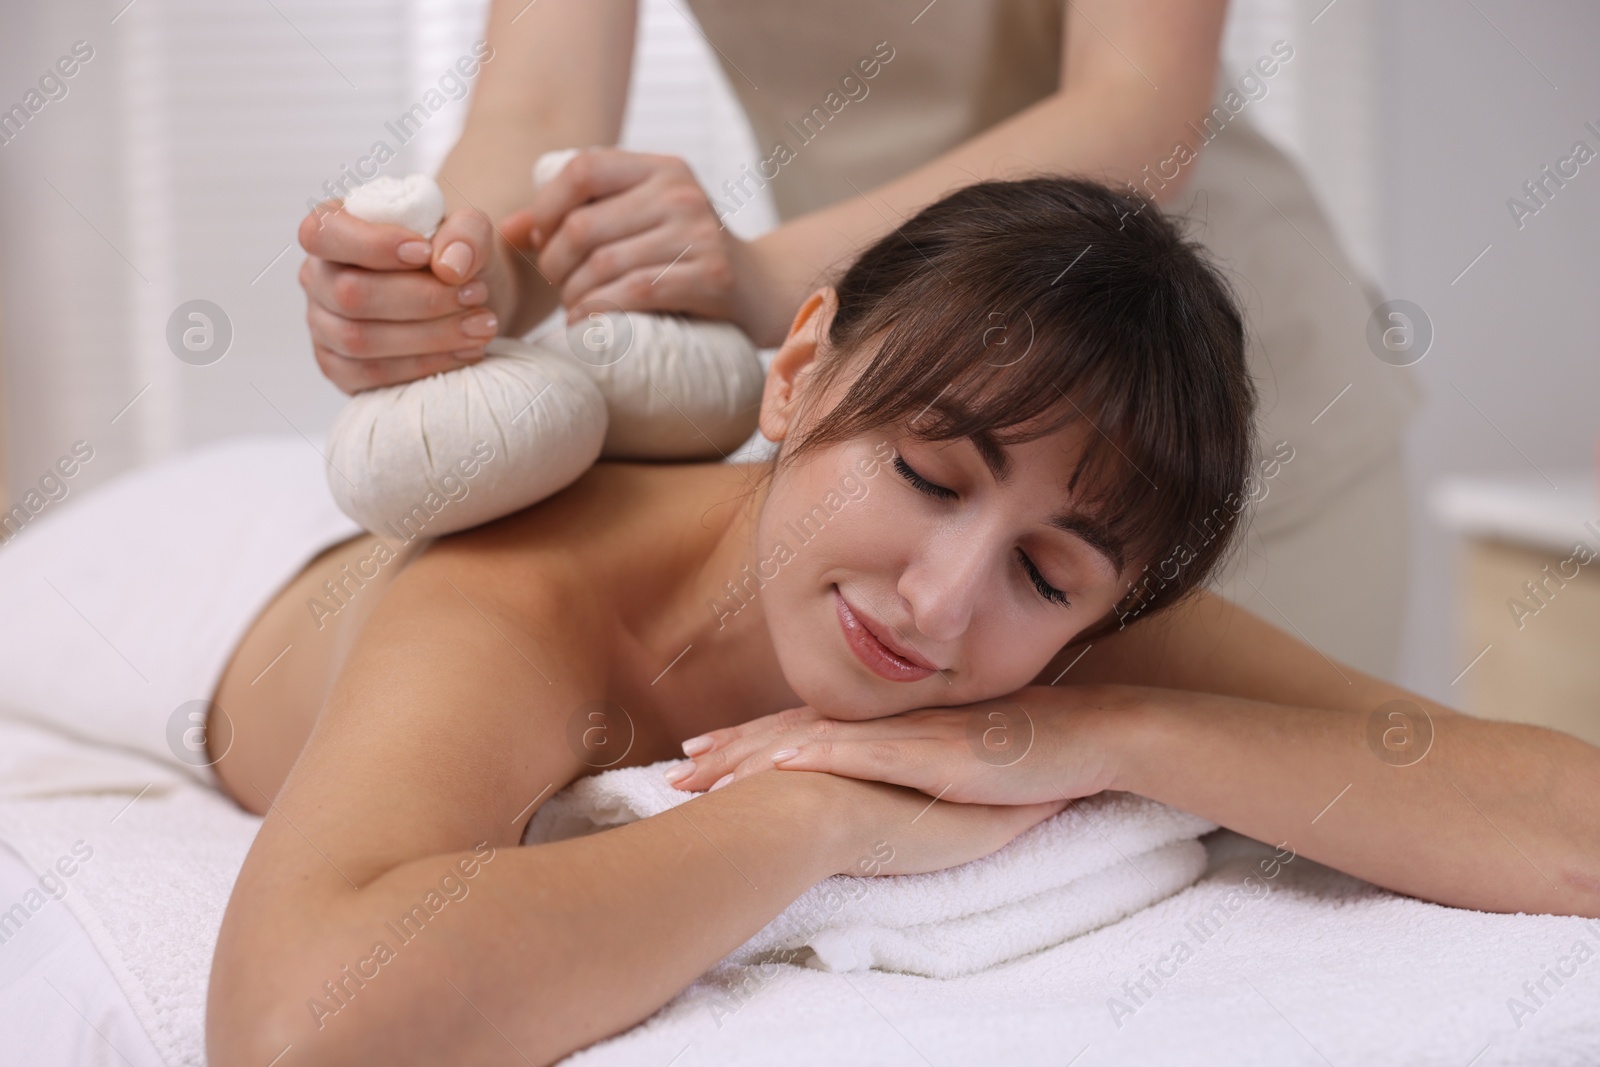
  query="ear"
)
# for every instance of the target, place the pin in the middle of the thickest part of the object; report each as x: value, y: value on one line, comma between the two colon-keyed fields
x: 795, y: 363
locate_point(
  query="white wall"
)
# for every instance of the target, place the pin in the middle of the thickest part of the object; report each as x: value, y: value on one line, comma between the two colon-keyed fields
x: 1474, y: 99
x: 178, y: 166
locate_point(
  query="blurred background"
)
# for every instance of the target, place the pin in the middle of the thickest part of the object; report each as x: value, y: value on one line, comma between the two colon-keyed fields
x: 176, y: 161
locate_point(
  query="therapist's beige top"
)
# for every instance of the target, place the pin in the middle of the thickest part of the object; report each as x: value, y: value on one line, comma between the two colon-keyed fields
x: 964, y: 65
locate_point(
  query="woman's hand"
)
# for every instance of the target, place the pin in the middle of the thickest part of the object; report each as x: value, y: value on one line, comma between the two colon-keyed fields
x: 634, y: 230
x: 878, y: 828
x: 1038, y: 744
x: 386, y: 305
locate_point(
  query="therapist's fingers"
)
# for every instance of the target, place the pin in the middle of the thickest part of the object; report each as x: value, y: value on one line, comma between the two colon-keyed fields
x: 331, y: 233
x: 462, y: 245
x: 637, y: 274
x: 374, y: 339
x: 592, y: 174
x: 591, y: 230
x: 353, y: 376
x: 395, y: 296
x: 517, y: 229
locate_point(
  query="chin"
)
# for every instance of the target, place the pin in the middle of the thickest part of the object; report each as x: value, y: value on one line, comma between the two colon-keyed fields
x: 825, y: 674
x: 825, y: 681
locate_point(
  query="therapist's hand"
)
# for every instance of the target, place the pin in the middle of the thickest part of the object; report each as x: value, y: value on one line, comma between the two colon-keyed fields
x: 634, y: 230
x: 387, y: 306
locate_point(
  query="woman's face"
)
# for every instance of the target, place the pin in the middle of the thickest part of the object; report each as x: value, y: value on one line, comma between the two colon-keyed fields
x: 885, y: 540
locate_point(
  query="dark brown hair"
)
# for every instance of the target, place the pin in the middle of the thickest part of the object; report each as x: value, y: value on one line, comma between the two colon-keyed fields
x: 1043, y: 301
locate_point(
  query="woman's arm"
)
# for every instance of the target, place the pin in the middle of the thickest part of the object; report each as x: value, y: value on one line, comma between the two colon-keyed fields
x: 385, y: 912
x: 1210, y: 709
x: 1135, y: 74
x: 1498, y: 816
x: 1282, y: 744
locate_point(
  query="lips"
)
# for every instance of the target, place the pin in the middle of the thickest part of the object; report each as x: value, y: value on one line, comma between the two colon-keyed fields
x: 873, y: 649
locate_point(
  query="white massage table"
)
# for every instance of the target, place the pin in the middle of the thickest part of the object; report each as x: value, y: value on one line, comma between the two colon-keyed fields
x: 1324, y: 969
x: 59, y: 1002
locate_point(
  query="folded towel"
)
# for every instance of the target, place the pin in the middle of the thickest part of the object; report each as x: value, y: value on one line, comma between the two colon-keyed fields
x: 1102, y: 858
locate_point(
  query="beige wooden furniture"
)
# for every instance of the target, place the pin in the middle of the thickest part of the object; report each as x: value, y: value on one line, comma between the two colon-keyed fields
x: 1529, y: 599
x: 5, y: 490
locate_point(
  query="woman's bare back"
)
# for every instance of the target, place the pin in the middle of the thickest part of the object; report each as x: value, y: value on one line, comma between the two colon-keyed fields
x: 627, y: 535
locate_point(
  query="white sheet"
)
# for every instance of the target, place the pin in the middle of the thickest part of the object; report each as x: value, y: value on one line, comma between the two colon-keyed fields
x: 59, y: 1003
x: 1322, y: 969
x: 120, y: 607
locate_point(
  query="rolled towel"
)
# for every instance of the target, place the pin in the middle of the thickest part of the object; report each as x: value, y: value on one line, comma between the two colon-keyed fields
x: 1099, y: 860
x: 620, y: 385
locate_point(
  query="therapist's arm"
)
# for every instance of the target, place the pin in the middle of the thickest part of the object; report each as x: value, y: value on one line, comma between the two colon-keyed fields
x: 559, y: 79
x: 1136, y: 73
x: 550, y: 74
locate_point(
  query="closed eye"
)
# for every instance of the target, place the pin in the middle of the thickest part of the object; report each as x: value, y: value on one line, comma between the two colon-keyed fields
x: 920, y: 482
x: 1045, y: 589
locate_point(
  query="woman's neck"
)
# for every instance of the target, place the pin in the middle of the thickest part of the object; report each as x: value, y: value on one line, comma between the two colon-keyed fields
x: 707, y: 635
x: 729, y: 611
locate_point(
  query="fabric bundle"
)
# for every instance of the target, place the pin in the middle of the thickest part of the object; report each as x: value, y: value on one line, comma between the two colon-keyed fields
x: 469, y: 445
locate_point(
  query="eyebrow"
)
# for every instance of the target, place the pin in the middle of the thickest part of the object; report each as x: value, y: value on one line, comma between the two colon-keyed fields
x: 994, y: 457
x: 1085, y: 527
x: 1095, y: 535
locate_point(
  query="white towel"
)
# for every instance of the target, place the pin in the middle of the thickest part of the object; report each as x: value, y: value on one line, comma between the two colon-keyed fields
x: 120, y: 607
x: 1323, y: 968
x: 1100, y: 859
x: 165, y: 853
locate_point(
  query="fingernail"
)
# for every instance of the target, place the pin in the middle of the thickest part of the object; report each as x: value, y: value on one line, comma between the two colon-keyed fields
x: 482, y: 324
x: 415, y: 253
x: 469, y: 355
x: 696, y: 745
x: 785, y: 753
x: 678, y: 773
x: 458, y: 257
x: 472, y: 293
x: 720, y: 782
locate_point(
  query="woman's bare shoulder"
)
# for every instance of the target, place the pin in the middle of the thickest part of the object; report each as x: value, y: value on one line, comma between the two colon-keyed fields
x: 617, y: 519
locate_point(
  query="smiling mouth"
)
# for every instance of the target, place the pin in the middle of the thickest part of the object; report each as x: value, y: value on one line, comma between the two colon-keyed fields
x: 876, y: 656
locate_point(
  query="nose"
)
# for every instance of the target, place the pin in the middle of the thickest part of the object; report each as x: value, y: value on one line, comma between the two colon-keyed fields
x: 944, y: 579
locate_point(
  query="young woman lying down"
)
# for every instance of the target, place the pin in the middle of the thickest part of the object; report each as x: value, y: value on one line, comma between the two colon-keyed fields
x: 1014, y: 441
